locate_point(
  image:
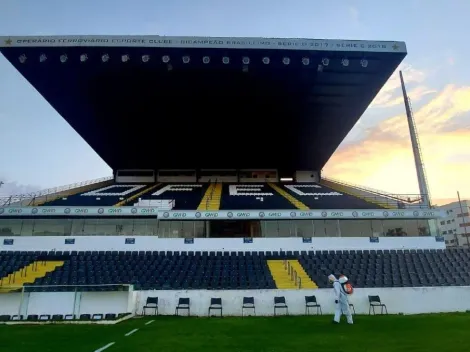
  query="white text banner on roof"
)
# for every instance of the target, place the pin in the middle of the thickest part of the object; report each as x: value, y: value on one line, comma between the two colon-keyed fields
x: 207, y: 42
x: 222, y: 214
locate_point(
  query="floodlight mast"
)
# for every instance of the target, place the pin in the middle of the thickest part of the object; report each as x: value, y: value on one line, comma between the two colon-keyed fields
x: 419, y: 164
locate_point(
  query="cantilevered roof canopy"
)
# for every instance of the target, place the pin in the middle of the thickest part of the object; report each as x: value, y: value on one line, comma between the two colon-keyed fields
x: 153, y: 102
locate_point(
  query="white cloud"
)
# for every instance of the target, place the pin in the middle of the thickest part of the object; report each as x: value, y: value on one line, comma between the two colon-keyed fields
x: 391, y: 91
x: 354, y: 14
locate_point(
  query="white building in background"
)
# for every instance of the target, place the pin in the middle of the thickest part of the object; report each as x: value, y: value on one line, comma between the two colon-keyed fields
x: 456, y: 223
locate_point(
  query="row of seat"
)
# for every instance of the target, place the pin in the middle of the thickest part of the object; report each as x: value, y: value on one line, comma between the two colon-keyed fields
x: 240, y: 270
x: 62, y: 317
x: 184, y: 303
x: 232, y: 196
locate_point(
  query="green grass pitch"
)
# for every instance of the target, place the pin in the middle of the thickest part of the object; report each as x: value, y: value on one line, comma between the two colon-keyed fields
x: 443, y: 332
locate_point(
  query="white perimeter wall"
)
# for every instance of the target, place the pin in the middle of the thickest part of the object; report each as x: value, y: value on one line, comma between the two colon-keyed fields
x: 153, y: 243
x: 398, y: 300
x: 66, y: 303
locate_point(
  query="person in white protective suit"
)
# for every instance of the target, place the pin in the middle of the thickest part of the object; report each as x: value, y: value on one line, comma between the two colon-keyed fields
x: 341, y: 299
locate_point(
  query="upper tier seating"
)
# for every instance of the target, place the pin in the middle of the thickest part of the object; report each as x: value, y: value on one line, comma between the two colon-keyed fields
x: 241, y: 196
x: 252, y: 196
x: 186, y: 196
x: 247, y: 270
x: 106, y: 196
x: 316, y: 196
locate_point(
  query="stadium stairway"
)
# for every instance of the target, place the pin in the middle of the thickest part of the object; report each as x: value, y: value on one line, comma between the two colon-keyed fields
x: 306, y: 281
x: 136, y: 196
x: 377, y: 200
x: 28, y: 274
x: 212, y: 197
x: 283, y: 279
x: 295, y: 202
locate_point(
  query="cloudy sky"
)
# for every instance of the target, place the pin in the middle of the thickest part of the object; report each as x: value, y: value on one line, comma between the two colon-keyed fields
x: 377, y: 151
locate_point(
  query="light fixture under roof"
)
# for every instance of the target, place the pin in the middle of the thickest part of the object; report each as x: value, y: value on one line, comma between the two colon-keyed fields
x: 345, y: 62
x: 165, y: 59
x: 286, y: 61
x: 246, y: 60
x: 145, y: 58
x: 266, y: 60
x: 206, y: 59
x: 125, y: 58
x: 63, y: 58
x: 42, y: 58
x: 186, y: 59
x: 22, y: 58
x: 325, y: 61
x: 105, y: 58
x: 225, y: 60
x: 306, y: 61
x: 364, y: 63
x: 83, y: 57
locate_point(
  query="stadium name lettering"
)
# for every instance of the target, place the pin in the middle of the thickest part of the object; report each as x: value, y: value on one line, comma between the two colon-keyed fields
x: 81, y: 211
x: 62, y: 40
x: 114, y: 211
x: 179, y: 215
x: 15, y: 211
x: 202, y: 42
x: 273, y: 215
x: 336, y: 213
x: 367, y: 213
x: 211, y: 215
x: 398, y: 213
x: 305, y: 214
x: 147, y: 211
x: 48, y: 211
x: 243, y: 215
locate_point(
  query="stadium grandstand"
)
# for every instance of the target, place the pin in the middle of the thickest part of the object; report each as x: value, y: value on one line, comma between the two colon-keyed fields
x: 217, y: 147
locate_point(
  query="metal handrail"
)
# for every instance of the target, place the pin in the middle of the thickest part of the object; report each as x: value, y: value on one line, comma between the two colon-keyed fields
x: 11, y: 199
x: 395, y: 200
x: 292, y: 274
x: 401, y: 197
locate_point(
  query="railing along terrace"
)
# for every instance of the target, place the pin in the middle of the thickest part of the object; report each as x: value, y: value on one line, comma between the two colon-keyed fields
x: 293, y: 274
x: 46, y: 195
x: 407, y: 200
x: 410, y: 198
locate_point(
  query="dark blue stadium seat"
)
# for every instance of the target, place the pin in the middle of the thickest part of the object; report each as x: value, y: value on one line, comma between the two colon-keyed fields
x: 105, y: 196
x: 391, y: 268
x: 186, y: 196
x: 11, y: 262
x: 316, y: 196
x: 252, y: 196
x: 249, y: 270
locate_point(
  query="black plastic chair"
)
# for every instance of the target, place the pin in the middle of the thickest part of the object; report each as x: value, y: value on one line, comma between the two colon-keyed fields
x: 248, y: 303
x: 183, y: 304
x: 311, y: 302
x: 216, y: 304
x: 151, y: 303
x: 280, y: 303
x: 374, y: 301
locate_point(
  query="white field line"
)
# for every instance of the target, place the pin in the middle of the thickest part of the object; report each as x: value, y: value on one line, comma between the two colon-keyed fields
x: 105, y: 347
x: 131, y: 332
x: 149, y: 322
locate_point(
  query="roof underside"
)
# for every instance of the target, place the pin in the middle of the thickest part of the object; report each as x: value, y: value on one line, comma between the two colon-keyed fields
x: 156, y: 115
